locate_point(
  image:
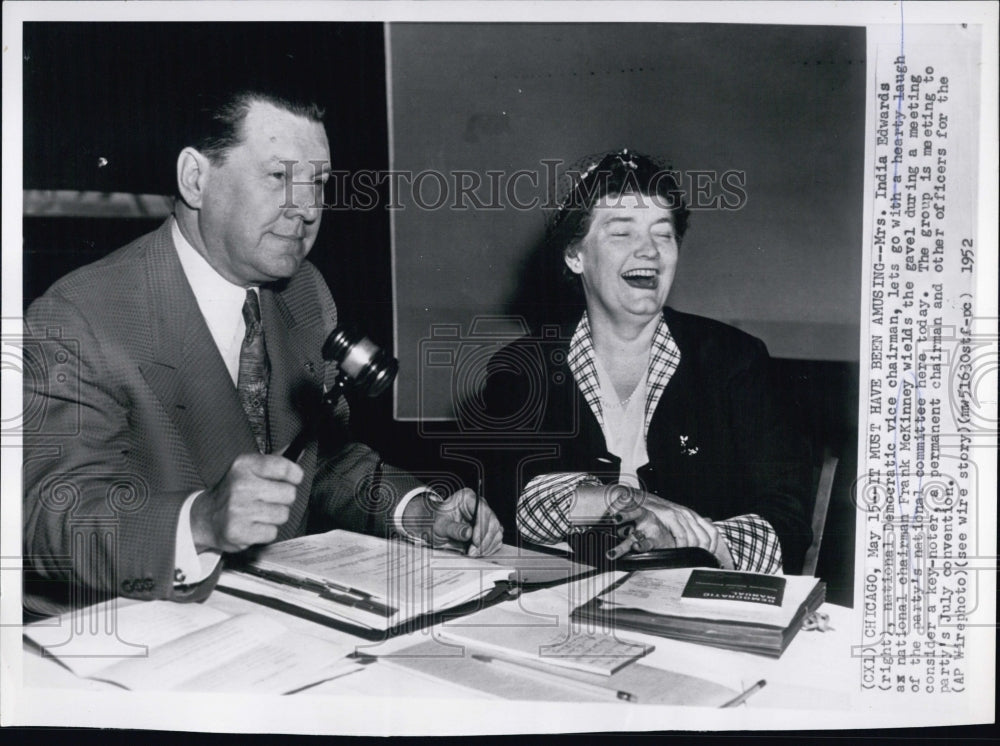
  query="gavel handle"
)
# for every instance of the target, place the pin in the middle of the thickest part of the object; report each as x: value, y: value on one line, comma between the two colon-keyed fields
x: 299, y: 442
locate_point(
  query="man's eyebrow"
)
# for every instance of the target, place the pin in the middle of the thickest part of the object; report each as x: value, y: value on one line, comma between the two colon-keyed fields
x: 321, y: 167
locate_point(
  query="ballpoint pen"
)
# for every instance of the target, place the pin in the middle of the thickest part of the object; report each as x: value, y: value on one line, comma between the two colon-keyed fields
x: 326, y: 589
x: 547, y: 677
x: 475, y: 513
x: 741, y: 698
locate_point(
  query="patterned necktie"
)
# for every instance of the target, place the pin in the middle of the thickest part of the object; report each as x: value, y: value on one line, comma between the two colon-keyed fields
x: 254, y: 373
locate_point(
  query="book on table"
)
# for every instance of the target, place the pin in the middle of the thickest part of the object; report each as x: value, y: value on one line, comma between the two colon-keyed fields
x: 374, y: 584
x: 162, y: 645
x: 749, y: 612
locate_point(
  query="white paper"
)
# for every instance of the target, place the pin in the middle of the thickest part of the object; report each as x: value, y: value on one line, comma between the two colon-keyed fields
x: 97, y: 638
x: 509, y: 632
x: 249, y: 653
x: 190, y: 647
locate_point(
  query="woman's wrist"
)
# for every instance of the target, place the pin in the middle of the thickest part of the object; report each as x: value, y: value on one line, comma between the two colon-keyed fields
x: 723, y: 554
x: 589, y: 503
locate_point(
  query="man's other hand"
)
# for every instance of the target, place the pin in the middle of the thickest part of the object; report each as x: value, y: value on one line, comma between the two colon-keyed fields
x: 247, y: 506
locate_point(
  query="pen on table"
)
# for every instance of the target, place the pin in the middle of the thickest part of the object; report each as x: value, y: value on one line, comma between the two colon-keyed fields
x: 554, y: 678
x: 740, y: 699
x: 475, y: 513
x: 327, y: 589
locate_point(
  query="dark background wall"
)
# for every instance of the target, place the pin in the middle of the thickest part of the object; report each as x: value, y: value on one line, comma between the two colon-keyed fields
x: 116, y: 94
x: 780, y: 108
x: 120, y: 92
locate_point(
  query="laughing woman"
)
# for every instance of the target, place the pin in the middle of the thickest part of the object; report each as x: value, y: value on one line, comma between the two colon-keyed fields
x: 675, y: 408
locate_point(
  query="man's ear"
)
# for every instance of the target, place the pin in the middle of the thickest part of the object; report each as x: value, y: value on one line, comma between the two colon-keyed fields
x: 573, y: 260
x: 192, y: 176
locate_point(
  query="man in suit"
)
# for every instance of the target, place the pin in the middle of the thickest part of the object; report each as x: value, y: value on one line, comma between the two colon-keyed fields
x: 175, y: 371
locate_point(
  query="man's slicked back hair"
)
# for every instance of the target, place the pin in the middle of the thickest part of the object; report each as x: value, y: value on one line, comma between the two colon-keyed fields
x: 220, y: 119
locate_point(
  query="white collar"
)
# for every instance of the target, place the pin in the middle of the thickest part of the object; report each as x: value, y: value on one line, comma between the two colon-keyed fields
x: 664, y: 358
x: 205, y: 281
x: 219, y: 300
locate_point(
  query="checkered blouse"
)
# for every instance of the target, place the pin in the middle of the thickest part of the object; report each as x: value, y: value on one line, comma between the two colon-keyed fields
x: 542, y: 510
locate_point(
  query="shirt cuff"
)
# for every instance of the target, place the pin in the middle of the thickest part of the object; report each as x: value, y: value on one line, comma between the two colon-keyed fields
x: 753, y: 543
x: 397, y: 514
x: 545, y: 505
x: 190, y: 566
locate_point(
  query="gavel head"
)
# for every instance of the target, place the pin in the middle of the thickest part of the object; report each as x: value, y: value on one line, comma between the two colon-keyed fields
x: 363, y: 364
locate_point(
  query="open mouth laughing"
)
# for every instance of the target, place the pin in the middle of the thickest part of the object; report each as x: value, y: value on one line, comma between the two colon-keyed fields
x: 645, y: 279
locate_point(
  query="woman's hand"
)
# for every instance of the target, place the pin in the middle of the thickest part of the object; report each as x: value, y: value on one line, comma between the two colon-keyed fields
x: 660, y: 524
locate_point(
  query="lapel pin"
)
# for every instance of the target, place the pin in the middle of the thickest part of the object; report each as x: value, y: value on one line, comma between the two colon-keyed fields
x: 685, y: 451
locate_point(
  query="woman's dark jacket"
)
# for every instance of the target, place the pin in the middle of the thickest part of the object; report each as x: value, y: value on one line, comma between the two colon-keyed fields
x: 719, y: 441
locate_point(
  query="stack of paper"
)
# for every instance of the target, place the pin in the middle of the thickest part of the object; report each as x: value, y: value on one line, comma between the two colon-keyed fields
x: 738, y: 611
x: 168, y: 646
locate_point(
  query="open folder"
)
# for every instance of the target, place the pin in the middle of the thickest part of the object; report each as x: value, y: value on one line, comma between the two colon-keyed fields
x: 369, y: 584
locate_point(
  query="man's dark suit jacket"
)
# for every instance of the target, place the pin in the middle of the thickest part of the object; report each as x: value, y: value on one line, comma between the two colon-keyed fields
x: 719, y: 402
x: 129, y: 408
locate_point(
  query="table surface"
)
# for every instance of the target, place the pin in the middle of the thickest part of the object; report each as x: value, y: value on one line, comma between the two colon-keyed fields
x: 816, y: 667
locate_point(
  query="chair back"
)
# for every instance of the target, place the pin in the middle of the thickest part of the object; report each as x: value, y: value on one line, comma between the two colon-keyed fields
x: 824, y: 489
